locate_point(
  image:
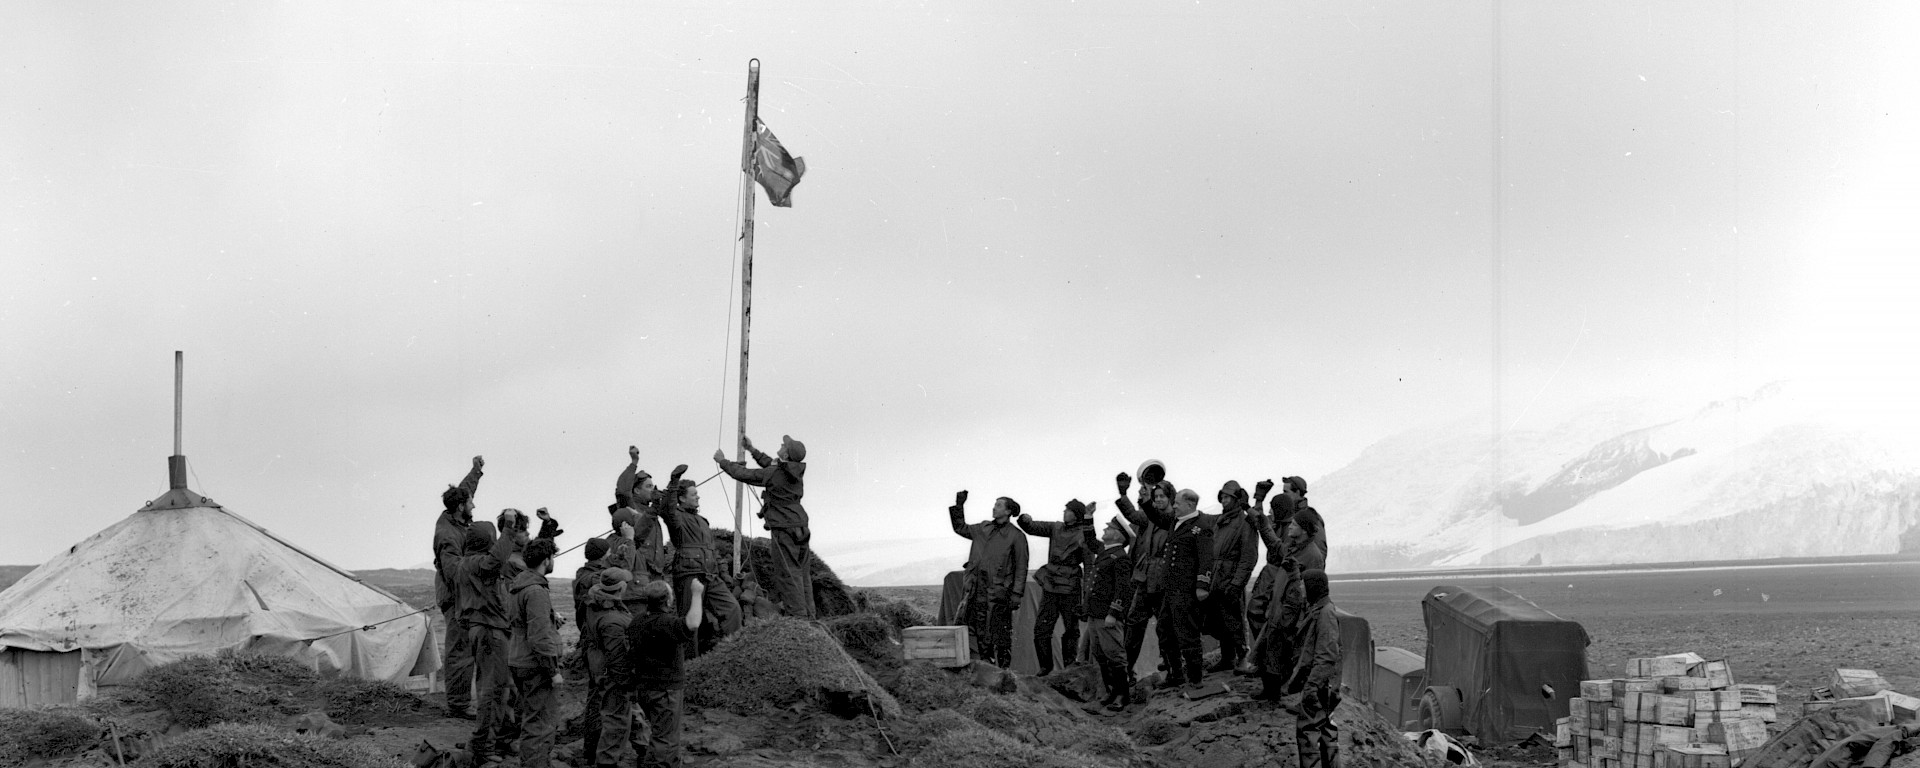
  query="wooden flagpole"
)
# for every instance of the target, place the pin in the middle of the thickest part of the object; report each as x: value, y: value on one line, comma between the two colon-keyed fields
x: 746, y: 299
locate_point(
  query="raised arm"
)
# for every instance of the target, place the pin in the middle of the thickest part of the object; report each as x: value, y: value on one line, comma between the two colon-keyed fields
x: 471, y: 483
x: 755, y: 477
x: 958, y: 514
x: 1034, y: 527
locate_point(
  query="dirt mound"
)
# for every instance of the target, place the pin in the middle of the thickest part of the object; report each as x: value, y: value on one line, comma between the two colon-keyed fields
x: 779, y: 662
x: 830, y: 595
x: 1231, y: 731
x: 237, y: 746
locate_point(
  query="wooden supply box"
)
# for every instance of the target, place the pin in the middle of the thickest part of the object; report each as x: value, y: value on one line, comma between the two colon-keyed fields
x: 942, y: 646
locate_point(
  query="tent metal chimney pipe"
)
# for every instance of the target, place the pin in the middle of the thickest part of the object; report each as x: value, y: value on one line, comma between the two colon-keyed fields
x: 177, y: 463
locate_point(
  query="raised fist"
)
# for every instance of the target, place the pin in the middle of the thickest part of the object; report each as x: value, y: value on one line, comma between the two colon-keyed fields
x: 960, y: 499
x: 719, y: 456
x: 479, y: 462
x: 633, y: 452
x: 674, y: 479
x: 1262, y: 488
x: 1123, y: 481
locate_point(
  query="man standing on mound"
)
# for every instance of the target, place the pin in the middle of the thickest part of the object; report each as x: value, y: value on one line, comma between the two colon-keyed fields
x: 996, y: 577
x: 785, y: 519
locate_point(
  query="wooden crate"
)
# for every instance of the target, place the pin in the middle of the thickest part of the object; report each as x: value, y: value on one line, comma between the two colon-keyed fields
x: 1596, y: 690
x: 1718, y: 675
x: 1755, y: 693
x: 943, y: 646
x: 1856, y: 683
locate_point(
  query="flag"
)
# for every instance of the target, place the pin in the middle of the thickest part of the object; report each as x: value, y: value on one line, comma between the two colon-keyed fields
x: 777, y: 171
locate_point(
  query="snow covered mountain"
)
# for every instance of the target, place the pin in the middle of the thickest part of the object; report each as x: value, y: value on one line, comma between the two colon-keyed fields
x: 1764, y: 475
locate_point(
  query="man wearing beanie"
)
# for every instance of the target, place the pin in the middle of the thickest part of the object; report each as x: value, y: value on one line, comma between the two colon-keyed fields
x: 695, y: 559
x: 1060, y: 581
x: 584, y: 580
x: 1236, y: 545
x: 534, y: 652
x: 608, y: 742
x: 996, y: 577
x: 1109, y: 591
x: 785, y: 519
x: 657, y: 643
x: 449, y: 542
x: 483, y: 613
x: 1314, y: 690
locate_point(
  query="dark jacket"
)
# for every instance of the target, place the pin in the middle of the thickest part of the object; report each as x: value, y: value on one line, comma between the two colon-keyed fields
x: 1236, y: 545
x: 646, y: 555
x: 692, y: 538
x: 535, y: 639
x: 780, y: 505
x: 610, y: 623
x: 1319, y: 643
x: 448, y: 536
x: 1109, y: 581
x: 1066, y: 552
x: 657, y: 647
x: 583, y: 580
x: 1149, y: 562
x: 482, y: 595
x: 1189, y: 554
x: 998, y: 557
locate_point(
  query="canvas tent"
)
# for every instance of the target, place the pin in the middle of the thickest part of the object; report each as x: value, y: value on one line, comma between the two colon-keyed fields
x: 182, y: 577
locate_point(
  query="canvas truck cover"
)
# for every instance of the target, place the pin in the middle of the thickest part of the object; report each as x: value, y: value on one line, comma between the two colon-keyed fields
x: 1499, y: 649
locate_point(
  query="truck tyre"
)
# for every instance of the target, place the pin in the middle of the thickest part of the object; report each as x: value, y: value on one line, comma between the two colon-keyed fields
x: 1440, y: 707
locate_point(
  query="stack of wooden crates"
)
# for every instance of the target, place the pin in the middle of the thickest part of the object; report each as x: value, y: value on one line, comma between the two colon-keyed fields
x: 1675, y: 711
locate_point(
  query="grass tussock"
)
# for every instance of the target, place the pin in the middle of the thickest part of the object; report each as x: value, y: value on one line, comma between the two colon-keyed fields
x: 777, y: 663
x: 923, y: 687
x: 867, y: 637
x: 201, y: 691
x: 231, y: 745
x: 241, y: 687
x: 29, y: 735
x: 1033, y: 724
x: 831, y: 597
x: 365, y: 702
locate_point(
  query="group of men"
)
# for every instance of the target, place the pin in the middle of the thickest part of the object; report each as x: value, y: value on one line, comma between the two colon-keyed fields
x: 1158, y: 558
x: 643, y: 604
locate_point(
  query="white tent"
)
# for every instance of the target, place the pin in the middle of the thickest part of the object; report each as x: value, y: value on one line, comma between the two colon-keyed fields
x: 183, y: 577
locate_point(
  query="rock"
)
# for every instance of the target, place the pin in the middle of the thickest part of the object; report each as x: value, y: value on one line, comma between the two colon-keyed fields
x: 718, y: 743
x: 316, y: 723
x: 1080, y: 682
x: 986, y: 675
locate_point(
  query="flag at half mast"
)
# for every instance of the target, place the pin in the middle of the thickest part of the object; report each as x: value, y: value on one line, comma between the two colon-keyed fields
x: 777, y: 171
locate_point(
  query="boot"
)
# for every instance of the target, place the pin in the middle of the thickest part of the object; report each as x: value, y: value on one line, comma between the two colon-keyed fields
x: 1043, y: 652
x: 589, y: 747
x: 1111, y: 682
x: 1125, y: 677
x: 1229, y: 659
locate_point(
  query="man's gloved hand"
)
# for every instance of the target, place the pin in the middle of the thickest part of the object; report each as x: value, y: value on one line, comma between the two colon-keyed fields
x: 747, y: 443
x: 549, y: 527
x: 1112, y: 622
x: 1200, y: 595
x: 1123, y: 481
x: 673, y: 480
x: 960, y: 499
x: 626, y: 531
x: 1262, y: 488
x: 719, y: 456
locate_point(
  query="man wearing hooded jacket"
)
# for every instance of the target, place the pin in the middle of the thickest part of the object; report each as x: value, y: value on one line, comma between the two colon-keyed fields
x: 1060, y: 582
x: 996, y: 576
x: 1235, y: 547
x: 1313, y: 692
x: 784, y: 517
x: 449, y: 543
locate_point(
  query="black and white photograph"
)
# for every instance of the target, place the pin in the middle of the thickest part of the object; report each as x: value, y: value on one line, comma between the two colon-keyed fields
x: 1050, y: 384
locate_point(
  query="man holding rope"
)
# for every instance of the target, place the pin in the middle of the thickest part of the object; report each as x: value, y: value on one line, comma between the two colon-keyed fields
x: 784, y: 517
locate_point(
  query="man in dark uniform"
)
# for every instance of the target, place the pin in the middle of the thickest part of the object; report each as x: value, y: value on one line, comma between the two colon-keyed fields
x: 1236, y: 545
x: 1060, y: 582
x: 996, y: 577
x: 1314, y: 689
x: 449, y: 542
x: 694, y: 559
x: 785, y: 519
x: 1109, y: 590
x: 1189, y: 555
x: 636, y: 500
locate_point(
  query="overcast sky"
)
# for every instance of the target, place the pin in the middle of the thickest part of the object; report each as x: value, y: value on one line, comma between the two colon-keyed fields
x: 1037, y: 242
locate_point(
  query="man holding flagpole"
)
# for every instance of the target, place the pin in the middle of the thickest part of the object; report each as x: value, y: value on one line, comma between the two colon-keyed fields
x: 786, y: 521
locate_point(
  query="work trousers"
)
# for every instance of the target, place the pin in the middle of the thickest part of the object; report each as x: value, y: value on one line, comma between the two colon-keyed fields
x: 1180, y: 633
x: 1109, y: 650
x: 1224, y: 618
x: 991, y: 623
x: 1056, y: 606
x: 1146, y: 605
x: 792, y: 572
x: 663, y: 710
x: 616, y: 728
x: 539, y: 715
x: 590, y: 710
x: 720, y: 611
x: 1316, y: 735
x: 493, y: 719
x: 458, y: 664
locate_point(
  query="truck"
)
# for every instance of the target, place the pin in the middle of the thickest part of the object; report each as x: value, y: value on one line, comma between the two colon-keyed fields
x: 1497, y: 666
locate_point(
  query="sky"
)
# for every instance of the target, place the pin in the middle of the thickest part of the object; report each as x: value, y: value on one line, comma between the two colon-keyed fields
x: 1037, y: 242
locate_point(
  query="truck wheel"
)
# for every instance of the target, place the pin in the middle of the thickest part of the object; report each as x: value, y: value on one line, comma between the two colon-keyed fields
x: 1440, y: 708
